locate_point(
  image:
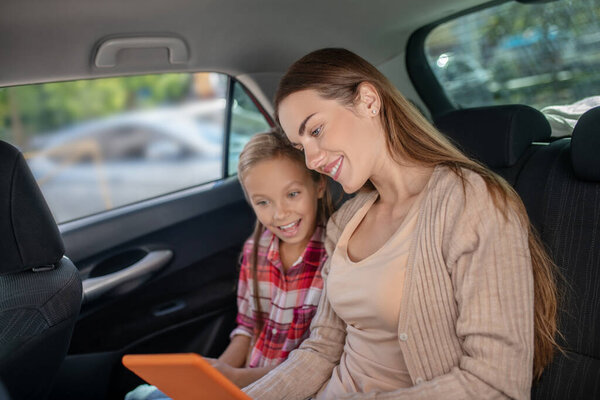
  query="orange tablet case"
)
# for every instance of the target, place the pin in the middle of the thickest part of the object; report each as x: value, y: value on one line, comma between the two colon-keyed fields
x: 183, y: 376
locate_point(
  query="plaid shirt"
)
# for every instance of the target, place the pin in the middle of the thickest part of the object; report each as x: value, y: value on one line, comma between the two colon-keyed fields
x: 288, y: 300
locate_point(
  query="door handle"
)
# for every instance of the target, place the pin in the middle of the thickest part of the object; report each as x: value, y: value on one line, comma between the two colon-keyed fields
x: 94, y: 288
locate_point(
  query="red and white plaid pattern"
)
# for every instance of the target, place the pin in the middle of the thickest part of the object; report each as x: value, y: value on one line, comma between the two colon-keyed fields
x: 288, y: 300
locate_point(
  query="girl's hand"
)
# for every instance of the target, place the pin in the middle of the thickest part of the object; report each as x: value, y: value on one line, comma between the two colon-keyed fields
x: 241, y: 377
x: 230, y: 372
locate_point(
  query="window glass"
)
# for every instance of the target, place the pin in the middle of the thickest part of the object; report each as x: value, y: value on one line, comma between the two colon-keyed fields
x: 537, y: 54
x: 246, y: 120
x: 93, y: 145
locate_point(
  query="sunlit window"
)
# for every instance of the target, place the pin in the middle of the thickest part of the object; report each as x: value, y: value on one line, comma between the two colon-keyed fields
x: 94, y: 145
x: 536, y: 54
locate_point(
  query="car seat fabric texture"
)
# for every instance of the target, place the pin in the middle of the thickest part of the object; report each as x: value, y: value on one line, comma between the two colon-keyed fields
x: 501, y: 137
x: 40, y: 290
x: 564, y: 203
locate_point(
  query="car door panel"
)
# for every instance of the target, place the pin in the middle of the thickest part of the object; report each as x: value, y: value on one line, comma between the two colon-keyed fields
x: 187, y: 305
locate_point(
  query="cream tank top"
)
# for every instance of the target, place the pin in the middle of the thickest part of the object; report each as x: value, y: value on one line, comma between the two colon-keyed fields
x: 366, y: 295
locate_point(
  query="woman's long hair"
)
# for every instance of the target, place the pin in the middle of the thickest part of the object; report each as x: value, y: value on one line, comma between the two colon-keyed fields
x: 336, y: 74
x: 262, y: 147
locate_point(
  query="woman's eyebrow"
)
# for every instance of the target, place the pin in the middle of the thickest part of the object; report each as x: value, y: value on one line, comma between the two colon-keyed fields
x: 303, y: 124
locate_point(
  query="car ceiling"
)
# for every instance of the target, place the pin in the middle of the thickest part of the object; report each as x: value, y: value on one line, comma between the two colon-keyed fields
x: 54, y: 39
x: 255, y: 41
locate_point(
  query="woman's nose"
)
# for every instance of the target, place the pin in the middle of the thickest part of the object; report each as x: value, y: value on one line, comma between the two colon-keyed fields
x: 313, y: 156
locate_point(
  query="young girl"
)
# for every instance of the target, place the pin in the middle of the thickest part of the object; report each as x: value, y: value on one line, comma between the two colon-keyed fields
x: 280, y: 278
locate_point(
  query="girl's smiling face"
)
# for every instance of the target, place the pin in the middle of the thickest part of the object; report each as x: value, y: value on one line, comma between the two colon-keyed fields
x: 285, y: 198
x: 342, y: 142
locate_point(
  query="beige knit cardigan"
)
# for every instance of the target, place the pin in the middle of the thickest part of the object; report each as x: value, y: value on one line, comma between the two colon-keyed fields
x: 466, y: 315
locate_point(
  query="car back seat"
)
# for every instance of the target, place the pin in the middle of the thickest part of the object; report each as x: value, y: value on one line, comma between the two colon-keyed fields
x: 560, y: 186
x: 40, y: 289
x: 501, y: 137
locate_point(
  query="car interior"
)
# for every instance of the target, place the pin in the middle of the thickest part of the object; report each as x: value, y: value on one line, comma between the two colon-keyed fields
x: 120, y: 127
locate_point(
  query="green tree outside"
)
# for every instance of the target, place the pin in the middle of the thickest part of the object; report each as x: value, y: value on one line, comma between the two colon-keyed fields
x: 38, y: 109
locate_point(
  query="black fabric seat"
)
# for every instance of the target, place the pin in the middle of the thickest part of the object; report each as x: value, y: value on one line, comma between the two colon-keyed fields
x: 40, y: 289
x: 560, y: 186
x: 500, y: 137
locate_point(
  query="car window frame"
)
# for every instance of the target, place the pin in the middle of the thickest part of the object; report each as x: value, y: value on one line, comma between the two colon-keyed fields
x: 229, y: 115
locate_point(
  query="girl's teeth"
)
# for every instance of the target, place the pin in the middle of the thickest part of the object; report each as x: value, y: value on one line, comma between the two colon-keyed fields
x: 288, y: 225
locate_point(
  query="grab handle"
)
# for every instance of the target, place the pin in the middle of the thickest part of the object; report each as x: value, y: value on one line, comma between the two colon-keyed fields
x: 106, y: 57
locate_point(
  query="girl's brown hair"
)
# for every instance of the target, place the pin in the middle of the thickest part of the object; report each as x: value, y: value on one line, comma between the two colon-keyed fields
x: 336, y: 74
x: 267, y: 146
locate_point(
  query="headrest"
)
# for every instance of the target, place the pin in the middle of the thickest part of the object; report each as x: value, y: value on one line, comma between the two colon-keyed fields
x: 585, y: 146
x: 497, y: 135
x: 29, y: 236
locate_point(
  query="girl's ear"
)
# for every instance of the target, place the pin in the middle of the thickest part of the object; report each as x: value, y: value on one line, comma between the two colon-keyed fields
x: 321, y: 186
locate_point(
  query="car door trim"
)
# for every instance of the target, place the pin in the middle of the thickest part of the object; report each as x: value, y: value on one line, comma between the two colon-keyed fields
x: 94, y: 288
x: 96, y: 233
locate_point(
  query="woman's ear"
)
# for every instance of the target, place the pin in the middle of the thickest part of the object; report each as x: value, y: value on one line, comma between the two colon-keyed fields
x: 369, y: 102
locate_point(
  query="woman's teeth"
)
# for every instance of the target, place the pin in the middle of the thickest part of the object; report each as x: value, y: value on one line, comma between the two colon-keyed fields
x: 334, y: 170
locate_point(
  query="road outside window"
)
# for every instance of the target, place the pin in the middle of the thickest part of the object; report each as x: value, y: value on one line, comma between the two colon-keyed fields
x: 95, y: 145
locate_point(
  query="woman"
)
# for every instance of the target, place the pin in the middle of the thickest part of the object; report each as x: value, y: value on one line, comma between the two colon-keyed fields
x: 436, y: 286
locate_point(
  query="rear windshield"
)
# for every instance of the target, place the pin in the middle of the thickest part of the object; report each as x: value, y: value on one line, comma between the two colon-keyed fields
x: 544, y: 55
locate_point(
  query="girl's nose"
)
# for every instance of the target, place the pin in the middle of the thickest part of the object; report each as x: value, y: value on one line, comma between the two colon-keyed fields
x: 281, y: 214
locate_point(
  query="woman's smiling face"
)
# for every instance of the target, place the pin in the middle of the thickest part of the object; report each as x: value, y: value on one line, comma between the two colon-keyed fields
x: 338, y: 141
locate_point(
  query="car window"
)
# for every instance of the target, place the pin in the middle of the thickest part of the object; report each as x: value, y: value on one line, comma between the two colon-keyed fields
x: 535, y: 54
x: 246, y: 120
x: 94, y: 145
